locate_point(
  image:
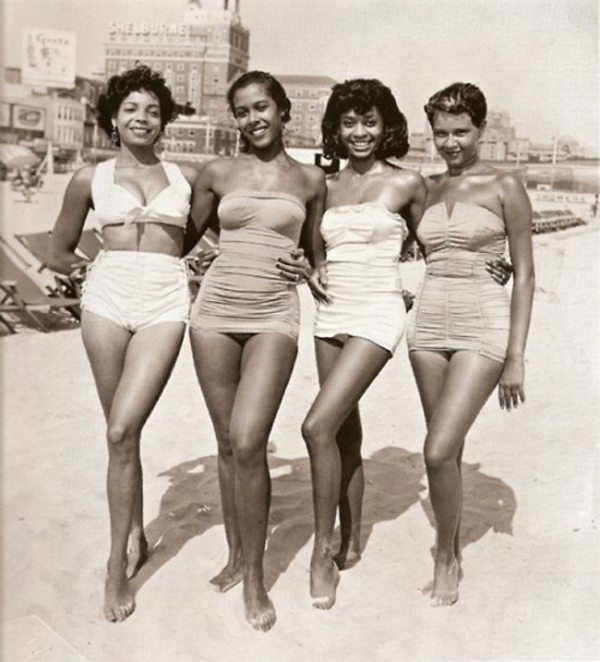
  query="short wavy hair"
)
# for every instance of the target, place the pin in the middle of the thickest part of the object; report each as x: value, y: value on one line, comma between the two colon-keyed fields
x: 456, y: 99
x: 360, y: 95
x: 274, y: 89
x: 122, y: 85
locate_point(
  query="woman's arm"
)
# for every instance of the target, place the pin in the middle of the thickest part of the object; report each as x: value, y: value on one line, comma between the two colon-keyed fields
x: 517, y: 217
x: 413, y: 211
x: 77, y: 202
x: 203, y: 208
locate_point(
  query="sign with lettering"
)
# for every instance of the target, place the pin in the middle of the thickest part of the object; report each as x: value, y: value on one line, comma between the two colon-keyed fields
x: 48, y: 57
x: 143, y: 28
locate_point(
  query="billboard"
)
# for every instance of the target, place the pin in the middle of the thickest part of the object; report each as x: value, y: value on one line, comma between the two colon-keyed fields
x: 48, y: 57
x: 26, y: 117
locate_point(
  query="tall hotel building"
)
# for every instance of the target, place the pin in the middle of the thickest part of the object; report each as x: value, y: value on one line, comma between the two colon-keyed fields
x: 199, y: 57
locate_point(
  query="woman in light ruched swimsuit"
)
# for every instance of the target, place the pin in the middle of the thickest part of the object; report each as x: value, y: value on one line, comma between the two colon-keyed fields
x: 465, y: 336
x: 371, y: 206
x: 245, y: 320
x: 136, y: 297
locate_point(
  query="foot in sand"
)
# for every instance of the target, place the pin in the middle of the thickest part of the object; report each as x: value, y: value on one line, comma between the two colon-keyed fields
x: 118, y: 598
x: 260, y: 612
x: 137, y: 554
x: 347, y: 559
x: 445, y: 583
x: 230, y: 576
x: 324, y: 578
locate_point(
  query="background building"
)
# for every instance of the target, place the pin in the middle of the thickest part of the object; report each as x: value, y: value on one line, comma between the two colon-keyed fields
x: 309, y: 95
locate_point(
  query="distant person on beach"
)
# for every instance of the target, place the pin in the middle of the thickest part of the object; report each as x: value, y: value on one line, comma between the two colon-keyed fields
x: 371, y: 207
x: 465, y: 336
x: 135, y: 297
x: 245, y: 321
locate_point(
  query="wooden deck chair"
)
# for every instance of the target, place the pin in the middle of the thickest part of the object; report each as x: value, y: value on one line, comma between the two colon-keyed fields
x: 37, y: 244
x: 22, y: 297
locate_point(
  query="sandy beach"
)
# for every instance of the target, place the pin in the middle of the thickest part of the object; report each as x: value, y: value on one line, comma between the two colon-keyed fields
x: 531, y: 589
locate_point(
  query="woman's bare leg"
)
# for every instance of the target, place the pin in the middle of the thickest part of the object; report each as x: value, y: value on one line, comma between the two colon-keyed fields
x: 129, y: 385
x: 469, y: 380
x: 266, y: 365
x: 352, y: 483
x: 355, y: 367
x: 217, y: 359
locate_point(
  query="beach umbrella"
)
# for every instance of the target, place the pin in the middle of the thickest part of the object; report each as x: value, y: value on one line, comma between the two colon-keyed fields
x: 17, y: 156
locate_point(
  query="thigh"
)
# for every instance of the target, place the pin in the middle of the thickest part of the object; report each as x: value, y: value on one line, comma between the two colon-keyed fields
x: 149, y: 361
x: 348, y: 377
x: 470, y: 380
x: 267, y: 363
x: 217, y: 360
x: 106, y: 345
x: 430, y: 370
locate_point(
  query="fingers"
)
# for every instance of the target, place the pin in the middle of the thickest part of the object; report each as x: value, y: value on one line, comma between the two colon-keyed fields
x: 510, y: 396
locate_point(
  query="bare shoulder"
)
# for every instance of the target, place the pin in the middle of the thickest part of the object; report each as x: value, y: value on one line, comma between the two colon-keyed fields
x: 190, y: 172
x: 217, y: 168
x: 510, y: 182
x: 83, y: 177
x: 406, y: 179
x: 314, y: 177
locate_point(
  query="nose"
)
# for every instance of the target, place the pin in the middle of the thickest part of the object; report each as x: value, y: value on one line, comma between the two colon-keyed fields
x: 450, y: 140
x: 359, y: 129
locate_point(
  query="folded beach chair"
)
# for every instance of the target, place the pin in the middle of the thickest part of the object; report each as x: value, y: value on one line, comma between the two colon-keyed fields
x: 38, y: 243
x: 22, y: 297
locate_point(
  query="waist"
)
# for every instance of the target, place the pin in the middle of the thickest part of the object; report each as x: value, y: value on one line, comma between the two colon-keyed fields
x: 458, y: 264
x: 146, y: 238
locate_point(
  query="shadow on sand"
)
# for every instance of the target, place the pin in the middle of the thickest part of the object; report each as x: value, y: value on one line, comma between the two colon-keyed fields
x: 395, y: 481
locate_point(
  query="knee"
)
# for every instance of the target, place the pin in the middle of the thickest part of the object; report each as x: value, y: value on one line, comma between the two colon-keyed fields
x: 315, y: 431
x: 122, y: 439
x: 249, y: 451
x: 438, y: 454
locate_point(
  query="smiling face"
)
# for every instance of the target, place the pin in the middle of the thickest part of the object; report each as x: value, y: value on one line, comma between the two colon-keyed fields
x: 456, y: 139
x: 138, y: 119
x: 361, y: 134
x: 257, y: 115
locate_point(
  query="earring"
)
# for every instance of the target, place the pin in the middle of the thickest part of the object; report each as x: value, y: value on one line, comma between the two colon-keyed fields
x: 114, y: 136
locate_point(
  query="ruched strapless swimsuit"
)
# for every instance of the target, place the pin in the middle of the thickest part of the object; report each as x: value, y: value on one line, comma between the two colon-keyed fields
x: 243, y: 291
x: 459, y: 305
x: 363, y: 244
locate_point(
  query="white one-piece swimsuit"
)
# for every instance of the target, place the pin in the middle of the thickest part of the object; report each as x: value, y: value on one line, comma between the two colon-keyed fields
x: 363, y: 244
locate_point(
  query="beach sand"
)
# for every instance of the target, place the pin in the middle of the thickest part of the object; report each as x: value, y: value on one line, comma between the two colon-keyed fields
x: 530, y: 525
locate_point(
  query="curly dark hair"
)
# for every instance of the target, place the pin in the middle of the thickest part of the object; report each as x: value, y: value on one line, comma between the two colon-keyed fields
x: 360, y: 95
x: 120, y: 86
x: 274, y: 89
x: 458, y: 98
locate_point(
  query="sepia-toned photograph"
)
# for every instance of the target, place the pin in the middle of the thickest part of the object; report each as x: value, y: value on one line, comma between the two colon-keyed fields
x: 300, y: 330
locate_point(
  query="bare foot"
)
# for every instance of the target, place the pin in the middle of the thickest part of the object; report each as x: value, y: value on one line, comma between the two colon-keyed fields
x: 324, y: 578
x: 260, y: 612
x: 445, y: 583
x: 137, y: 555
x: 428, y: 588
x: 347, y: 560
x: 230, y: 576
x: 118, y: 598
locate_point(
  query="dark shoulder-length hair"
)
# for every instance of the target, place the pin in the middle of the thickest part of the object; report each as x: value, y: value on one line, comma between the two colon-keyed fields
x: 456, y: 99
x: 360, y: 95
x: 120, y: 86
x: 274, y: 89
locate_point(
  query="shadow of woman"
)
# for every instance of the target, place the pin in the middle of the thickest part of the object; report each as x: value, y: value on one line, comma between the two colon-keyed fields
x: 394, y: 481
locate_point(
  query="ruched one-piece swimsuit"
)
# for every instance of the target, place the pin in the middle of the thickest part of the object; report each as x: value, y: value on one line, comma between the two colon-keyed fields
x: 243, y: 291
x: 363, y: 244
x: 459, y: 305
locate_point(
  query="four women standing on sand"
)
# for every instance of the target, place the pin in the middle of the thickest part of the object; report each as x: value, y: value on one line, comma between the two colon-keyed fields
x: 244, y: 324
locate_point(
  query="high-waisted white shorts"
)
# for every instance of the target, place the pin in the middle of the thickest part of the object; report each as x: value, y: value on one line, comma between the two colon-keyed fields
x: 136, y: 290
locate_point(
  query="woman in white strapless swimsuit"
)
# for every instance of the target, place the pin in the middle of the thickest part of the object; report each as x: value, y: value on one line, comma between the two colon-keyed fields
x: 371, y: 207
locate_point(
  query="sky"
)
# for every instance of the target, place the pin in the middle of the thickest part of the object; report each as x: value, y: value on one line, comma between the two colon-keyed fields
x: 536, y: 59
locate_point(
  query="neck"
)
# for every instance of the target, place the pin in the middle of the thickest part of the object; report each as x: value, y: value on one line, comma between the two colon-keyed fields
x: 464, y: 168
x: 364, y: 166
x: 137, y: 156
x: 271, y: 153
